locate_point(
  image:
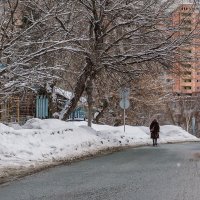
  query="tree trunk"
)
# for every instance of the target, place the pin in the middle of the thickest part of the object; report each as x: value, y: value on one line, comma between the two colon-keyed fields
x: 52, y: 101
x: 187, y: 123
x: 79, y: 89
x: 52, y: 107
x: 89, y: 90
x: 105, y: 106
x: 170, y: 114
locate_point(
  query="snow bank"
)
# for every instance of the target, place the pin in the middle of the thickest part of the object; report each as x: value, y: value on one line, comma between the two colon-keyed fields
x: 171, y: 133
x: 4, y: 128
x: 49, y: 140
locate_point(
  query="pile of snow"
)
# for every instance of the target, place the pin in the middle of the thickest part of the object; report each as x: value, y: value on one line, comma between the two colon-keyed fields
x: 174, y: 133
x: 46, y: 124
x: 4, y: 128
x: 49, y: 140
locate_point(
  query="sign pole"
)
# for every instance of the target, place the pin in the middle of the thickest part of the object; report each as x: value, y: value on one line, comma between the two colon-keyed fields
x: 124, y: 119
x: 124, y: 103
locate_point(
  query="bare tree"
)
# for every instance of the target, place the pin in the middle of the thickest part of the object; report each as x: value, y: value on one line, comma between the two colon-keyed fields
x: 183, y: 108
x: 117, y: 36
x: 124, y: 37
x: 148, y: 95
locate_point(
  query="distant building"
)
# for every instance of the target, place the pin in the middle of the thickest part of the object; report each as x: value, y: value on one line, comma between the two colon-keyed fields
x: 187, y: 80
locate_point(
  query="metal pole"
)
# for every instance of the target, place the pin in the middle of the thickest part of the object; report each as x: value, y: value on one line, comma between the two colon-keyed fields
x: 18, y: 109
x: 193, y: 125
x: 124, y: 120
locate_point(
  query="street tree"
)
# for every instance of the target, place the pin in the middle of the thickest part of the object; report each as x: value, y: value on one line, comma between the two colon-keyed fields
x: 116, y: 36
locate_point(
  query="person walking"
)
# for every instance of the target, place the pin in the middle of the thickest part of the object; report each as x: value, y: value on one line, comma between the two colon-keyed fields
x: 154, y: 130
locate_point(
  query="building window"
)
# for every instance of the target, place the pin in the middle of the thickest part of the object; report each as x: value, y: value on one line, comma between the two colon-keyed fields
x: 186, y: 29
x: 187, y: 87
x: 186, y: 65
x: 187, y: 80
x: 186, y: 14
x: 184, y: 8
x: 188, y: 58
x: 187, y: 21
x: 169, y: 80
x: 186, y: 50
x: 187, y: 73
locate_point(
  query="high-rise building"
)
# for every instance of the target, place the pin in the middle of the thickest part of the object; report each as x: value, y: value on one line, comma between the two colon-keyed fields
x: 187, y: 81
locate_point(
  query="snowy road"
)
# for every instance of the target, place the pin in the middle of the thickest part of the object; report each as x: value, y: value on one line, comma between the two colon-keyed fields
x: 148, y: 173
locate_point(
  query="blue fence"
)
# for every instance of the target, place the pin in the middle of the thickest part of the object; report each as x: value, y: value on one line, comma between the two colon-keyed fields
x: 42, y: 105
x: 79, y: 113
x: 42, y: 111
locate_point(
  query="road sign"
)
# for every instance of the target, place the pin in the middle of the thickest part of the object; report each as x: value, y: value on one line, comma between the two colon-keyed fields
x: 124, y: 103
x: 124, y: 92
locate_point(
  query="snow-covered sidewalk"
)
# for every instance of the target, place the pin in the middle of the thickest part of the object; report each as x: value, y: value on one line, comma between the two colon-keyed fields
x: 45, y: 142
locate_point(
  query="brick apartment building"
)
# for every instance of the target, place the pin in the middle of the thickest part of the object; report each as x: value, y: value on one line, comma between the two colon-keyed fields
x: 187, y: 81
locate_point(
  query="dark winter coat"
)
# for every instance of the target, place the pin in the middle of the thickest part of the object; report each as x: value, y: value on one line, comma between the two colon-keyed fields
x: 154, y: 129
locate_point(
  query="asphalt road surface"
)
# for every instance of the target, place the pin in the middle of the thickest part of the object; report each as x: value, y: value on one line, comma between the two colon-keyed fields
x: 167, y: 172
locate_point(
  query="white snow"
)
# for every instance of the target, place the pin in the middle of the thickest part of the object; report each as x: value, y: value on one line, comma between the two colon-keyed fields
x: 67, y: 94
x: 49, y: 140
